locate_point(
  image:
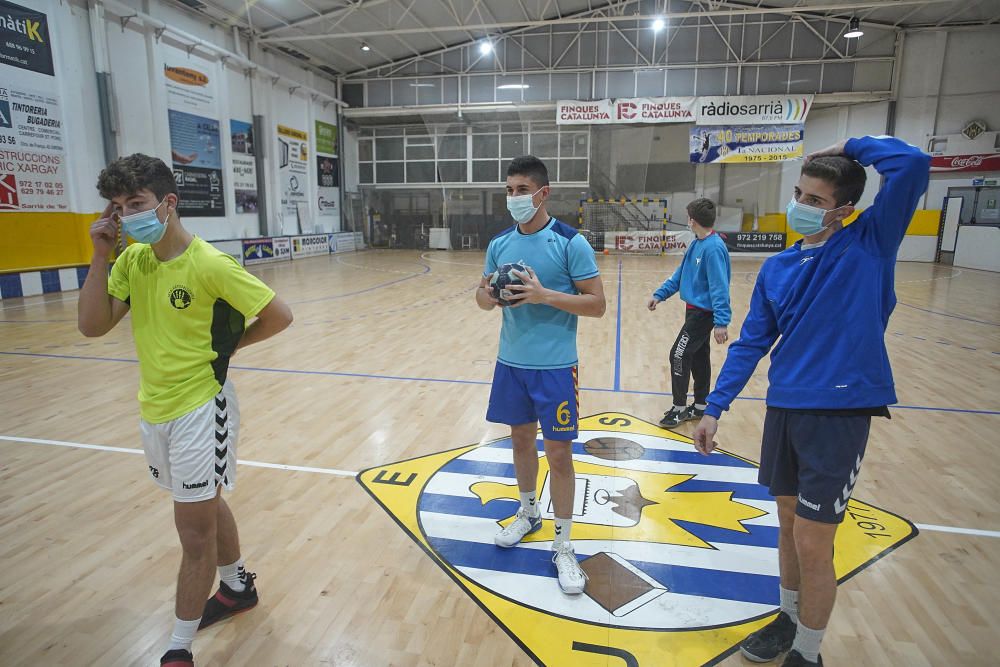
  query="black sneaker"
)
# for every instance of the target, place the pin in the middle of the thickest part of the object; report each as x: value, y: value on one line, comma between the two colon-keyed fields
x: 770, y: 641
x: 178, y: 657
x: 674, y: 416
x: 795, y: 659
x: 227, y: 602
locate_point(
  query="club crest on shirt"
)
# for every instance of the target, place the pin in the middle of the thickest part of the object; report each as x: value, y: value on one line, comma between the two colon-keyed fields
x: 180, y: 297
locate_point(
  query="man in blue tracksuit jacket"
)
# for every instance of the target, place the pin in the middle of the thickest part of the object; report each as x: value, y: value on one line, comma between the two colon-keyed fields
x: 703, y: 281
x: 828, y: 298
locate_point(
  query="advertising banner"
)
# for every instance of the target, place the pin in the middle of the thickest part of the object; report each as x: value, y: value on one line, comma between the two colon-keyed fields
x: 754, y: 241
x: 754, y: 110
x: 310, y: 245
x: 344, y: 242
x: 195, y: 138
x: 282, y: 249
x: 265, y: 250
x: 32, y: 137
x: 654, y: 110
x: 327, y: 171
x: 981, y: 162
x: 326, y: 138
x: 328, y: 180
x: 626, y: 110
x: 244, y: 169
x: 740, y: 110
x: 649, y: 242
x: 293, y: 155
x: 24, y: 39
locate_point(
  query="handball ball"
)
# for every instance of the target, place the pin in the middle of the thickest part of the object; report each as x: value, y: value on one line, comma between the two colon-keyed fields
x: 503, y: 278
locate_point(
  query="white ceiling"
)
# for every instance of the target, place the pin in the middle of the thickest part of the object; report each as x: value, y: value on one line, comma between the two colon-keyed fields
x: 329, y: 34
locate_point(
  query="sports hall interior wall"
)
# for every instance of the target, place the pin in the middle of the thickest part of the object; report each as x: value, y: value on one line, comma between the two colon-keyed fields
x: 136, y: 57
x: 942, y: 85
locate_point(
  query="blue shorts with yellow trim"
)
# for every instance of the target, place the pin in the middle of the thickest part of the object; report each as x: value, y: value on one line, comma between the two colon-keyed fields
x: 550, y: 397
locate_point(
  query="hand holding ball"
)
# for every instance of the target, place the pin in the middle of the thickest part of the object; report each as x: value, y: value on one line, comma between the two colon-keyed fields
x: 502, y: 279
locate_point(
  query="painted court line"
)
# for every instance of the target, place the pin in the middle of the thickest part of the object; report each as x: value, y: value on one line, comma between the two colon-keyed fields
x: 403, y: 378
x: 961, y: 531
x: 618, y: 333
x: 128, y: 450
x: 347, y: 473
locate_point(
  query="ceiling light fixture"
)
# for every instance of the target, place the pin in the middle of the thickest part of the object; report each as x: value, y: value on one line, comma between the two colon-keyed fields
x: 485, y: 48
x: 659, y: 24
x: 513, y: 86
x: 365, y: 47
x: 854, y: 29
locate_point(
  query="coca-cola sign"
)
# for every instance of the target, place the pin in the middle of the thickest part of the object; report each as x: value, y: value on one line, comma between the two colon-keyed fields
x: 986, y: 162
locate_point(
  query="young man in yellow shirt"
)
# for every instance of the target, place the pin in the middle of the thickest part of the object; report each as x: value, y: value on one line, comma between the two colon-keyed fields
x: 189, y: 304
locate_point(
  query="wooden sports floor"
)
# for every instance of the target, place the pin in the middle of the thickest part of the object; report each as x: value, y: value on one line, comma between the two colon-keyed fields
x: 390, y: 359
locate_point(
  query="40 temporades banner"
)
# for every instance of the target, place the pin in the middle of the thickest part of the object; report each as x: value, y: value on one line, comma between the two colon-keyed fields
x: 32, y: 140
x: 742, y: 144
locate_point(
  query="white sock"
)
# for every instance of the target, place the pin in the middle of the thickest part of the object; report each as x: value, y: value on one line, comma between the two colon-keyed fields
x: 807, y: 642
x: 790, y: 603
x: 562, y: 529
x: 700, y: 406
x: 680, y: 408
x: 234, y: 575
x: 528, y: 500
x: 183, y: 635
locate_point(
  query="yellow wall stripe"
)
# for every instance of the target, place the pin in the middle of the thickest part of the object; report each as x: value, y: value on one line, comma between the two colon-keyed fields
x: 33, y: 241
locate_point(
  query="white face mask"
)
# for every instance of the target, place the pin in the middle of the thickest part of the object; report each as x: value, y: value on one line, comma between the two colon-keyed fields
x: 522, y: 207
x: 807, y: 220
x: 145, y: 226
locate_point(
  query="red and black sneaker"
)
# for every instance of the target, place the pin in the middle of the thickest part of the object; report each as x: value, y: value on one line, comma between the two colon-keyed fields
x: 227, y: 602
x: 177, y: 657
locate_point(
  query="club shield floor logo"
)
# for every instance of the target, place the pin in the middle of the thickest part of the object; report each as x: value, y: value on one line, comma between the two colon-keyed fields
x: 680, y: 550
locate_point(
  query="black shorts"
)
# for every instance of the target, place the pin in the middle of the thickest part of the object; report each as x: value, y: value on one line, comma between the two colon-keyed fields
x: 815, y: 457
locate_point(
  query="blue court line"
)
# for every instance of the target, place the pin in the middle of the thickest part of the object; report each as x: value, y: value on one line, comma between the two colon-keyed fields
x: 618, y: 334
x: 427, y: 269
x: 943, y: 314
x: 293, y: 371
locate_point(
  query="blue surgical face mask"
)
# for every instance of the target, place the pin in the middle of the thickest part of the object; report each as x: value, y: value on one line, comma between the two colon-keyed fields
x: 522, y: 207
x: 806, y: 220
x: 144, y: 227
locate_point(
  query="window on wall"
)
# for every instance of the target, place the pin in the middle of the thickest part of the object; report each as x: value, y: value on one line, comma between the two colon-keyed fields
x: 544, y: 145
x: 366, y: 158
x: 469, y: 154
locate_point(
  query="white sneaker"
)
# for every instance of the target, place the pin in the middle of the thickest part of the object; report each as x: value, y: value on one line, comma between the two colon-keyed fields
x: 572, y: 578
x: 522, y: 525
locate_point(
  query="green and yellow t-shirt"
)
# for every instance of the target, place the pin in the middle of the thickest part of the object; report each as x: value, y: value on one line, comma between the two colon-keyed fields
x: 188, y: 315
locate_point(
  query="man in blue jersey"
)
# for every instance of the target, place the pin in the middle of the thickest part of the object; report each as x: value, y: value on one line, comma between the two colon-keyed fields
x: 828, y: 298
x: 535, y: 379
x: 703, y: 281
